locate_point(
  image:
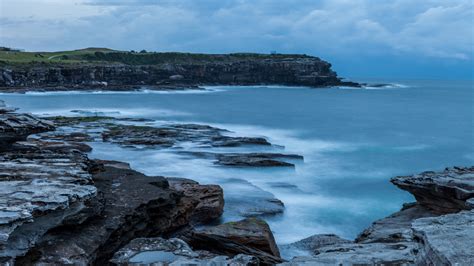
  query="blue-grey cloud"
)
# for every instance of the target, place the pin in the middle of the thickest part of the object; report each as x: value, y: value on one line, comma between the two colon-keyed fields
x: 425, y: 29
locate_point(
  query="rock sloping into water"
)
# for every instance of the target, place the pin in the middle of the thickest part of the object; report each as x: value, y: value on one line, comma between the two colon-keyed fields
x: 210, y: 198
x: 418, y: 234
x: 250, y: 236
x: 443, y: 192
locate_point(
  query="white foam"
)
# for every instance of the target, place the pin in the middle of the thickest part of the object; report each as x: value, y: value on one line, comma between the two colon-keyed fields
x: 111, y: 92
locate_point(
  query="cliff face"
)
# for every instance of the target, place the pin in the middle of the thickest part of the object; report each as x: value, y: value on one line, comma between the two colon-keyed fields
x: 291, y: 70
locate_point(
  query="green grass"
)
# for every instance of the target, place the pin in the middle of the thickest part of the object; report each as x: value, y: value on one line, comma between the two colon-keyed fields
x: 109, y: 56
x: 48, y: 57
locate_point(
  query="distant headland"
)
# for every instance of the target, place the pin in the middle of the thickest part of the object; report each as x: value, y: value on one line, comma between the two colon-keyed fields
x: 102, y: 68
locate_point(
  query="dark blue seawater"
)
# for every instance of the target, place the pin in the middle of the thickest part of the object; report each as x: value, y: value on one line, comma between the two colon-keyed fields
x: 353, y: 141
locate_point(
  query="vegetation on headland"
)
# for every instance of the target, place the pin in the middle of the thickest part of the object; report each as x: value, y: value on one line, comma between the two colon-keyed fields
x: 109, y: 56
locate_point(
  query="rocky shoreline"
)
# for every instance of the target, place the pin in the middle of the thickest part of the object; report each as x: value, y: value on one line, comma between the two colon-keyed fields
x: 189, y: 72
x: 60, y: 207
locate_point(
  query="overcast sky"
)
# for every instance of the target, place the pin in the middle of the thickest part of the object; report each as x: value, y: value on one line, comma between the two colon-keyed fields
x: 362, y: 38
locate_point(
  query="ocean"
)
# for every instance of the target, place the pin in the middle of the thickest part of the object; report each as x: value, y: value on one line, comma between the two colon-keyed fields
x: 353, y: 141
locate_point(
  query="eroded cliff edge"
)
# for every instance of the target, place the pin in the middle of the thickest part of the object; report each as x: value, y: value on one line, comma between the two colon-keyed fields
x: 122, y: 70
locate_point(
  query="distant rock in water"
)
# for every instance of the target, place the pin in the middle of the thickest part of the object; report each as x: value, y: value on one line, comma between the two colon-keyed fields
x: 122, y: 70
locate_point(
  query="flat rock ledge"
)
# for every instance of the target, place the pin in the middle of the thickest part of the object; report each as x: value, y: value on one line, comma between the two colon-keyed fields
x: 59, y: 207
x: 436, y: 230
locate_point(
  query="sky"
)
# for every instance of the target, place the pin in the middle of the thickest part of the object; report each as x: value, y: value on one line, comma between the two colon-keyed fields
x: 432, y: 39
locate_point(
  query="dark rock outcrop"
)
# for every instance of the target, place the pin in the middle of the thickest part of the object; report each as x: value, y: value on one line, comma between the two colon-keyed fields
x: 250, y: 236
x: 296, y: 70
x: 16, y: 126
x: 135, y: 205
x: 173, y: 135
x: 256, y: 159
x: 159, y: 251
x: 210, y: 198
x: 442, y: 192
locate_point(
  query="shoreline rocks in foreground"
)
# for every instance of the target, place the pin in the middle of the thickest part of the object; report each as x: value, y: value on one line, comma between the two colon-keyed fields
x: 59, y: 207
x: 436, y: 230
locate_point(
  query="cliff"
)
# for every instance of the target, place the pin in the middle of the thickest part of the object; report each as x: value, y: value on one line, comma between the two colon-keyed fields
x: 126, y: 69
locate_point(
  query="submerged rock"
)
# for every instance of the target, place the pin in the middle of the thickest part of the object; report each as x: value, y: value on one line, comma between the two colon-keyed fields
x: 256, y: 159
x: 174, y: 251
x: 173, y: 135
x: 250, y: 236
x: 257, y: 202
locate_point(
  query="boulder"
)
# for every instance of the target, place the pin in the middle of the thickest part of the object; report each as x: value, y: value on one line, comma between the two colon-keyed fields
x: 250, y: 236
x: 210, y: 198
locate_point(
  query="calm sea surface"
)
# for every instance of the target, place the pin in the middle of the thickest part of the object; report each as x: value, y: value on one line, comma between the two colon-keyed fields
x: 353, y: 141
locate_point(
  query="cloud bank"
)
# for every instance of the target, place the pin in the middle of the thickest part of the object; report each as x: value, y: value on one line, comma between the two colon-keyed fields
x: 336, y: 29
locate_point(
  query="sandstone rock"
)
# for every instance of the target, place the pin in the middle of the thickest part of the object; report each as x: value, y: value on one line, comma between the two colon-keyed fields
x: 445, y: 240
x: 153, y: 251
x: 40, y: 188
x: 315, y: 242
x: 250, y: 236
x: 135, y: 206
x: 443, y: 192
x: 173, y: 135
x: 15, y: 127
x: 396, y: 227
x: 210, y: 198
x: 358, y: 254
x: 240, y: 69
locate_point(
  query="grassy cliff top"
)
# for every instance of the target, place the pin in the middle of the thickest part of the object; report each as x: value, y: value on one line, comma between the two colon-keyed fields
x: 109, y: 56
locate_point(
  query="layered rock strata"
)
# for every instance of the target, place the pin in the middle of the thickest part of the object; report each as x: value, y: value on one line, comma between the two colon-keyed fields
x: 295, y: 70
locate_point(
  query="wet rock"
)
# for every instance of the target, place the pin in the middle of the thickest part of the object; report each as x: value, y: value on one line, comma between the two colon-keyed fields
x: 358, y: 254
x: 257, y: 202
x: 173, y: 135
x: 443, y: 192
x: 41, y: 187
x: 250, y: 236
x: 226, y: 141
x: 70, y: 137
x: 153, y: 251
x: 210, y: 198
x: 16, y: 127
x: 396, y: 227
x: 75, y: 120
x: 135, y: 206
x: 445, y: 240
x: 256, y: 159
x: 315, y: 242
